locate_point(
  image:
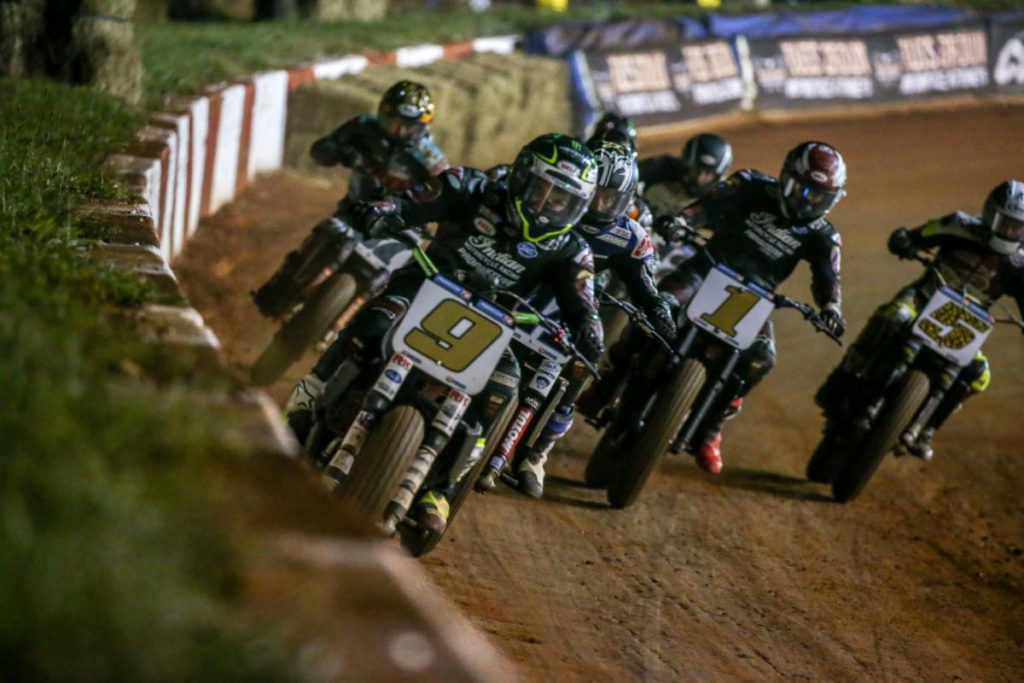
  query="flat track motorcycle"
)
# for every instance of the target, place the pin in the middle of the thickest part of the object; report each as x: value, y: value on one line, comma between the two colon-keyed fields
x: 900, y: 389
x: 665, y: 394
x: 409, y: 421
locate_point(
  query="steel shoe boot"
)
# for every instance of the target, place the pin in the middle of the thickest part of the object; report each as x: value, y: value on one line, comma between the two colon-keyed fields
x: 298, y: 410
x: 922, y: 446
x: 431, y: 512
x: 531, y: 473
x: 709, y: 454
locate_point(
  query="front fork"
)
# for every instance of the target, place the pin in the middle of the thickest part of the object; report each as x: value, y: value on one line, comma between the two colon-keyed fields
x: 377, y: 401
x: 537, y: 391
x: 709, y: 394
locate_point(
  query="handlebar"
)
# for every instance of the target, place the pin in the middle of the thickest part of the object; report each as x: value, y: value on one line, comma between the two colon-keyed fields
x: 809, y: 313
x: 639, y: 318
x: 556, y: 330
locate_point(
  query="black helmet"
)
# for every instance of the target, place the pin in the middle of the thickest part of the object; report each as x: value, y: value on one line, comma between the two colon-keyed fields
x: 406, y: 108
x: 551, y: 184
x: 813, y: 179
x: 706, y: 158
x: 617, y: 177
x: 615, y: 128
x: 1003, y: 215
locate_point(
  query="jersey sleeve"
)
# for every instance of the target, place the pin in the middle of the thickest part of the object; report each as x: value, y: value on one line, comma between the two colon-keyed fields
x: 636, y: 267
x: 456, y: 200
x: 825, y: 258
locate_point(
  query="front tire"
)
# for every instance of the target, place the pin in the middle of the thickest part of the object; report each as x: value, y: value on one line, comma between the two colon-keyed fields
x: 380, y: 466
x: 895, y: 418
x: 420, y: 543
x: 674, y: 402
x: 300, y: 331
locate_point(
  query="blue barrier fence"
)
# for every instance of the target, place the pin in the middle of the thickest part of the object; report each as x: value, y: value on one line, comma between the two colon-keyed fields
x: 660, y: 71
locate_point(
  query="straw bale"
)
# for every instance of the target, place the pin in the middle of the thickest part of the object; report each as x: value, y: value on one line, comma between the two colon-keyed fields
x: 487, y: 106
x: 104, y: 54
x: 337, y: 10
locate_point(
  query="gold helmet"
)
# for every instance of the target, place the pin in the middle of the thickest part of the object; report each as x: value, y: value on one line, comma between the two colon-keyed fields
x: 408, y: 100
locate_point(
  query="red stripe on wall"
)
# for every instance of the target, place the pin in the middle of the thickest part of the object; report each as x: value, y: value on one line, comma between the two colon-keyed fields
x: 245, y: 141
x: 388, y: 58
x: 458, y: 50
x: 216, y: 100
x: 297, y: 77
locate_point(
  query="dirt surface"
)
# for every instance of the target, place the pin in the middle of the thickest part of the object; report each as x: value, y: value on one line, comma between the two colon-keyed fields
x: 753, y: 574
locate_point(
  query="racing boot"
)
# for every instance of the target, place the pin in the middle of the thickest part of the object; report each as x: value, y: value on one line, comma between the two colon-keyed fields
x: 299, y: 408
x: 431, y: 510
x: 531, y: 468
x: 709, y: 454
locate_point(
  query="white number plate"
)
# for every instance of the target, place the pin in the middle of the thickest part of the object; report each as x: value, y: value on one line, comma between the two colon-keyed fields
x: 729, y: 309
x: 952, y: 327
x: 451, y: 338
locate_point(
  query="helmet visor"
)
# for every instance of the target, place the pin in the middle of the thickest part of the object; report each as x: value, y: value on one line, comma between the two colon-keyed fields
x: 608, y: 204
x: 402, y: 127
x: 699, y: 178
x: 808, y: 200
x: 548, y: 209
x: 1008, y: 228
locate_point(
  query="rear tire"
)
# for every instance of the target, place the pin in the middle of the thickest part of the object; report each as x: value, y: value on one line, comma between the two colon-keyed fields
x: 895, y: 418
x: 302, y: 330
x: 379, y: 468
x: 419, y: 543
x: 666, y: 418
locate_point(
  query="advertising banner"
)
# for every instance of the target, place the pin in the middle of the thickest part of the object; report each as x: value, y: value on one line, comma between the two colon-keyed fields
x: 807, y: 71
x: 662, y: 84
x: 1006, y: 35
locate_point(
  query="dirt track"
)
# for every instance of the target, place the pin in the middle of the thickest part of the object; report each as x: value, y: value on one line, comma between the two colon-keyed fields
x: 753, y: 574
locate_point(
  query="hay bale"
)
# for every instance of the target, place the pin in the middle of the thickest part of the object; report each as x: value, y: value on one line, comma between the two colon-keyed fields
x: 347, y: 10
x: 488, y: 106
x: 104, y: 55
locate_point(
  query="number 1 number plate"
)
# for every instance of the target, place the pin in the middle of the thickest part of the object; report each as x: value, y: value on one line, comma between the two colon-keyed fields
x: 729, y: 309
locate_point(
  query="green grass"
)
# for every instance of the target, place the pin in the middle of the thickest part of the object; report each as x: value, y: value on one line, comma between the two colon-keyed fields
x: 181, y: 57
x: 111, y: 566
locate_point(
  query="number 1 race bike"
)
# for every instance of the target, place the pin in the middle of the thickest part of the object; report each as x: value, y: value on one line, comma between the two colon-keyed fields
x: 383, y: 433
x: 666, y: 394
x: 897, y: 393
x: 342, y: 270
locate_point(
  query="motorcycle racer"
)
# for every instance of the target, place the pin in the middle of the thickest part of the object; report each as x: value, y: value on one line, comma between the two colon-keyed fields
x: 705, y: 160
x: 515, y: 236
x: 390, y: 152
x: 982, y: 254
x: 761, y: 227
x: 620, y: 244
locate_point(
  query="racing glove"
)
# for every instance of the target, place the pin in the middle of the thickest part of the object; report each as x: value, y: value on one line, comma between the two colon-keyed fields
x: 670, y: 228
x: 662, y: 318
x: 589, y: 343
x: 901, y: 245
x: 365, y: 215
x: 832, y: 320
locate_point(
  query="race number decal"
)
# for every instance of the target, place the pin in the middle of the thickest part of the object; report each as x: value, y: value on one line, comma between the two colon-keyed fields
x: 952, y: 327
x: 452, y: 338
x: 453, y: 335
x: 729, y: 309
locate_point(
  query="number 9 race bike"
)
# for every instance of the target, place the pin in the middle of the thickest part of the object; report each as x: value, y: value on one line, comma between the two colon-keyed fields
x: 899, y: 390
x: 382, y: 432
x: 665, y: 395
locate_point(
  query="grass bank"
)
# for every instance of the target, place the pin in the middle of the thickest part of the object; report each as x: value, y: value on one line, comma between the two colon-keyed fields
x: 112, y: 566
